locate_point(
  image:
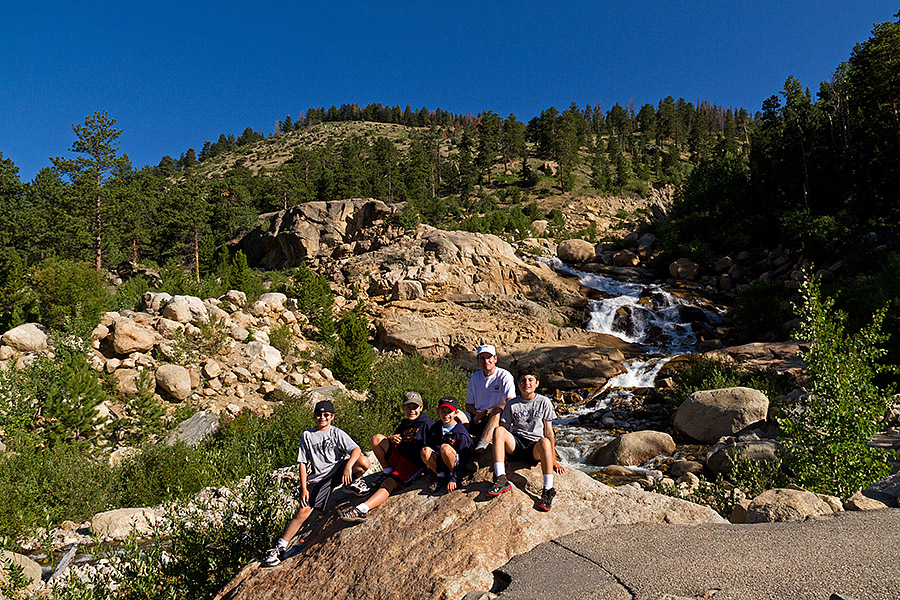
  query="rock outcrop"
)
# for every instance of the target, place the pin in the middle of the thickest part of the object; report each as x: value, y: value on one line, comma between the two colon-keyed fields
x: 634, y: 448
x: 783, y: 504
x: 420, y: 546
x: 709, y: 415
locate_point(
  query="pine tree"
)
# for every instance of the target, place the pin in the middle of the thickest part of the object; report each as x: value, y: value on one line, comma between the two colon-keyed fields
x: 72, y: 396
x: 353, y: 357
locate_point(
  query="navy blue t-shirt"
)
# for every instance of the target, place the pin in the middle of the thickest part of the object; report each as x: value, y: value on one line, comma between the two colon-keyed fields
x: 413, y: 437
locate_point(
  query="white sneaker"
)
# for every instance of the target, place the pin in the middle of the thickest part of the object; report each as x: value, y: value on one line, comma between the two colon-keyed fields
x: 359, y: 487
x: 272, y: 557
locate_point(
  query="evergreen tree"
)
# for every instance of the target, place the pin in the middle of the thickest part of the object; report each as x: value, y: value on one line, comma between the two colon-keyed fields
x: 98, y: 141
x: 488, y: 143
x: 70, y: 405
x: 353, y: 357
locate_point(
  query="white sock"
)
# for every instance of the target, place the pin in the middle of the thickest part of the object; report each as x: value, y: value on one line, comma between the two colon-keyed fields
x: 362, y: 508
x: 499, y: 469
x: 548, y: 481
x: 282, y: 544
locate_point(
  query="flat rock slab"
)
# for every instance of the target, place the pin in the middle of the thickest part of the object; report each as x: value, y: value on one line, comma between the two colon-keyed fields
x: 853, y: 554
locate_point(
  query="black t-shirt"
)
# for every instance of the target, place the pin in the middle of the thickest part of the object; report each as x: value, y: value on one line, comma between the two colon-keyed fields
x: 413, y: 437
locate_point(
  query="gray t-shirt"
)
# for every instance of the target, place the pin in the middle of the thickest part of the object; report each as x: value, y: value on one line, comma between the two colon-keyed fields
x: 526, y: 419
x: 323, y: 450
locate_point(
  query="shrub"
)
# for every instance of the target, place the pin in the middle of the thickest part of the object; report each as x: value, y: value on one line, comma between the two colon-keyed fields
x: 353, y: 357
x: 130, y: 294
x: 315, y: 299
x: 696, y: 373
x: 434, y: 379
x: 71, y: 295
x: 762, y: 308
x: 827, y: 430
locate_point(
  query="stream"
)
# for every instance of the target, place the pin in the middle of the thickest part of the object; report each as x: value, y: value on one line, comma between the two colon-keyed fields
x: 644, y: 314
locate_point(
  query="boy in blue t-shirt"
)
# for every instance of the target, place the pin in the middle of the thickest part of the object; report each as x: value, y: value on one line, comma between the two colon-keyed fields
x: 449, y: 441
x: 332, y: 459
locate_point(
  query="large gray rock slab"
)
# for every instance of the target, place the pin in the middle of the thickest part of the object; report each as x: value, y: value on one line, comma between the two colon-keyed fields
x: 709, y: 415
x: 854, y: 554
x: 455, y: 541
x: 29, y: 337
x: 199, y: 427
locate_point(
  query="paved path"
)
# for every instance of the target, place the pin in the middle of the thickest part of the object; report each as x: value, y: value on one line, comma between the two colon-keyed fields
x: 856, y: 554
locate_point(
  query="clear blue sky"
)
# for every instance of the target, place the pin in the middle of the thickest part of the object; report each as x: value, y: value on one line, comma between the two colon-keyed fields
x: 175, y: 74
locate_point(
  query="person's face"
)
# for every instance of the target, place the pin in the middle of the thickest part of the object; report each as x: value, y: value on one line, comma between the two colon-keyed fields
x: 324, y: 419
x: 446, y: 415
x: 487, y: 362
x: 528, y: 384
x: 412, y: 411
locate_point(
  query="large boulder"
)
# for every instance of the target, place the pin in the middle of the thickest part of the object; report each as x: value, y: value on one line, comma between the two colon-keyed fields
x: 455, y: 540
x: 720, y: 456
x: 29, y: 337
x: 782, y: 504
x: 709, y: 415
x: 625, y: 258
x: 634, y: 448
x: 30, y: 569
x: 118, y: 524
x: 128, y: 337
x: 174, y: 380
x: 576, y: 251
x: 195, y: 429
x: 186, y: 309
x: 268, y: 354
x: 684, y: 268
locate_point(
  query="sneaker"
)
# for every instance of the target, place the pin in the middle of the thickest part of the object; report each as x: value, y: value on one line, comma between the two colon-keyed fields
x: 547, y: 497
x: 352, y: 514
x: 359, y: 487
x: 482, y: 445
x: 501, y: 485
x: 273, y: 557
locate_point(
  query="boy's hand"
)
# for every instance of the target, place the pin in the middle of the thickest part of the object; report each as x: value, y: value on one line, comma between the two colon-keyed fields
x: 348, y: 475
x: 304, y: 498
x: 395, y: 439
x: 558, y: 468
x: 451, y: 485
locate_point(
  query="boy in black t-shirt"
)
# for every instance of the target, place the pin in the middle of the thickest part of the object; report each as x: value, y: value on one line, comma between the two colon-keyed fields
x: 399, y: 454
x: 448, y: 447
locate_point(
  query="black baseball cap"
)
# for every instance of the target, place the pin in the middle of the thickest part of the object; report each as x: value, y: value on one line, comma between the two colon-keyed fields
x: 324, y: 406
x: 448, y: 401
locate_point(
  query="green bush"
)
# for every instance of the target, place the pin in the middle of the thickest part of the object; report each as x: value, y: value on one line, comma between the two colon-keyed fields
x: 827, y: 430
x: 433, y: 378
x: 130, y: 294
x: 314, y: 297
x: 696, y: 373
x: 71, y: 295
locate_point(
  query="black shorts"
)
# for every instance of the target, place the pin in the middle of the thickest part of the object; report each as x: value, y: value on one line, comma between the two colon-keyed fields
x: 320, y: 491
x: 524, y: 450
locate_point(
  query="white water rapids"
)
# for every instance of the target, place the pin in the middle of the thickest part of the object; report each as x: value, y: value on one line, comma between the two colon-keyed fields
x: 644, y: 314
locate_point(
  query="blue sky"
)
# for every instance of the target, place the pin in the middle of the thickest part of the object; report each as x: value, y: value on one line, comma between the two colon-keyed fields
x: 175, y: 74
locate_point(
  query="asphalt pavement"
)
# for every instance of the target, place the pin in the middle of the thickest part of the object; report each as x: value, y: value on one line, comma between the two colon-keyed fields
x: 854, y: 554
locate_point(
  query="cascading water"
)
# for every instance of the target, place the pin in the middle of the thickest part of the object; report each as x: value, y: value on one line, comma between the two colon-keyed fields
x: 646, y: 315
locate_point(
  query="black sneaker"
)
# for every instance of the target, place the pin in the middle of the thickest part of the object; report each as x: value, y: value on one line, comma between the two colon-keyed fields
x: 547, y: 499
x: 501, y: 485
x: 434, y: 483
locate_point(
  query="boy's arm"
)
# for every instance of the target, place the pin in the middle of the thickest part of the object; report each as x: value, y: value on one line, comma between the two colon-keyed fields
x: 548, y: 433
x: 304, y: 492
x: 348, y: 468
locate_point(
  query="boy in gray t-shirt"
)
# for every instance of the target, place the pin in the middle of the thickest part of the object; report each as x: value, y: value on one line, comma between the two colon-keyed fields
x: 526, y: 434
x: 331, y: 458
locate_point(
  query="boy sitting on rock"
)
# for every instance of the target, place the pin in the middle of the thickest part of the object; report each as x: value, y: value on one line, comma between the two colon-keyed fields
x: 332, y: 459
x: 526, y: 434
x: 399, y: 454
x: 448, y: 447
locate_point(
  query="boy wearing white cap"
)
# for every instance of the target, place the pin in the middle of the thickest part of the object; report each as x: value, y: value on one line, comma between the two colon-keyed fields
x: 489, y: 390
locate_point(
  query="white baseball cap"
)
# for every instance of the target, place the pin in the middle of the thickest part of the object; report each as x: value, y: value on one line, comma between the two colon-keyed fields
x: 486, y: 348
